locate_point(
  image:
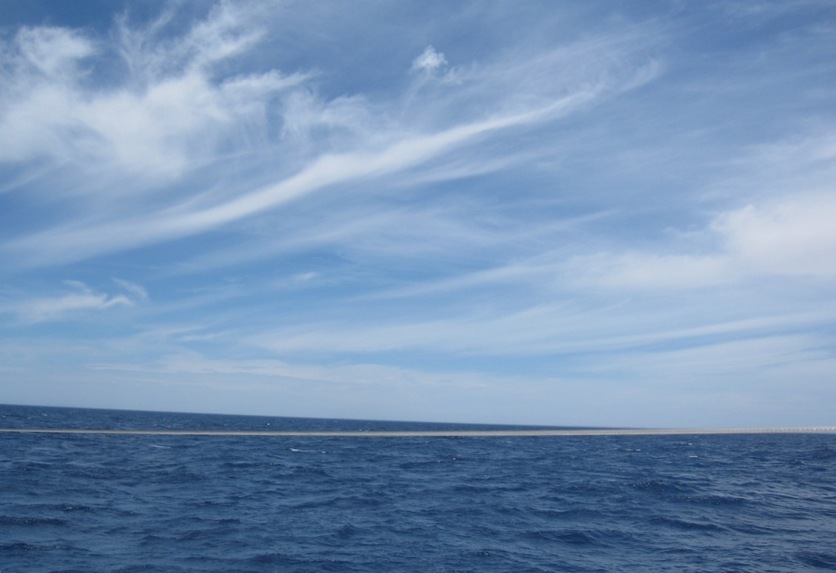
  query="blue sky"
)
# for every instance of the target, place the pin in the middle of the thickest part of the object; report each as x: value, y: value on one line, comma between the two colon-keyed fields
x: 516, y: 212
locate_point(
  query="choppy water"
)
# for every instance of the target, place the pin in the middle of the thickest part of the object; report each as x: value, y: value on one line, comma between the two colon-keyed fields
x: 254, y: 504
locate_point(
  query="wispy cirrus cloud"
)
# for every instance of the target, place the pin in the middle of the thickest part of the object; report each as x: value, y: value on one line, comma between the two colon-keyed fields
x: 571, y: 217
x: 77, y: 298
x: 163, y: 115
x: 173, y: 113
x: 566, y: 329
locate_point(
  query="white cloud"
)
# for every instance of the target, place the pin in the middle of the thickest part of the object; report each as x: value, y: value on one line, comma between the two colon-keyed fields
x: 409, y: 151
x: 138, y: 292
x: 52, y: 51
x: 496, y: 328
x: 792, y: 236
x: 176, y: 124
x: 647, y: 271
x: 57, y: 307
x: 174, y: 114
x: 169, y: 116
x: 429, y: 62
x: 311, y: 125
x: 151, y: 53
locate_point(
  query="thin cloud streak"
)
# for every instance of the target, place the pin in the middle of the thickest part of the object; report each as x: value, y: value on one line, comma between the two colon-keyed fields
x: 326, y: 171
x: 81, y: 298
x: 540, y: 330
x: 169, y: 122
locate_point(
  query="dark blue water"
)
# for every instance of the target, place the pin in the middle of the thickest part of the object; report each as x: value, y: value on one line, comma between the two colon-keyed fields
x: 253, y: 504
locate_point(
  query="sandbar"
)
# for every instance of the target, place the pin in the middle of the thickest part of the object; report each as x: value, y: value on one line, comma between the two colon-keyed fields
x: 431, y: 433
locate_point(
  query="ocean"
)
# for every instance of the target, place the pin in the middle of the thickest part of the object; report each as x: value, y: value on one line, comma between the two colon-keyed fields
x: 168, y: 503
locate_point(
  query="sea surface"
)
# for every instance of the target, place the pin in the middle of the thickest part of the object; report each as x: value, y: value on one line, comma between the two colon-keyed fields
x: 106, y: 503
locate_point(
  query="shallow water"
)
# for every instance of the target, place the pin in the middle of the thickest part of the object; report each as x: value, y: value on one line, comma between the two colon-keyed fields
x: 602, y: 503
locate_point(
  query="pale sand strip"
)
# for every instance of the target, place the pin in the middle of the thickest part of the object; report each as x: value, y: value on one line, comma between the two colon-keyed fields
x: 436, y: 433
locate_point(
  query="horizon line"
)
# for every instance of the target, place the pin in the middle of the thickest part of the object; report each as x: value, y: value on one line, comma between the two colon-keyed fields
x: 430, y: 433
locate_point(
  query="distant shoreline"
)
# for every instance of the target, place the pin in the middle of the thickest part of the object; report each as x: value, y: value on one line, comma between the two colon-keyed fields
x: 431, y: 433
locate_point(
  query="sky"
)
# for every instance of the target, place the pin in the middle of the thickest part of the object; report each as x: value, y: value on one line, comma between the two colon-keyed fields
x: 566, y: 213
